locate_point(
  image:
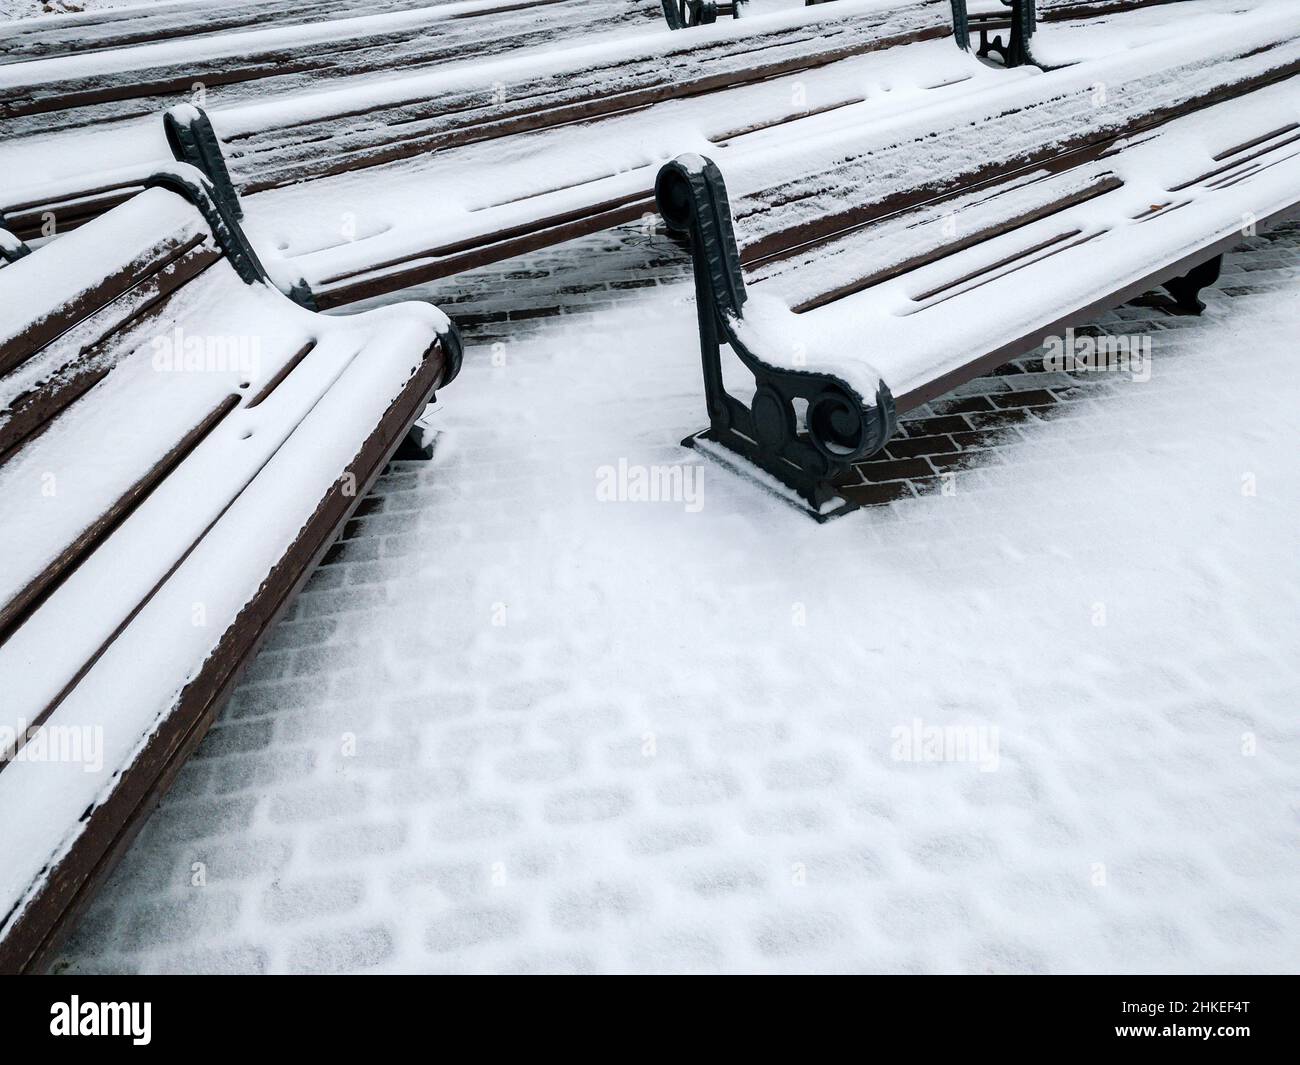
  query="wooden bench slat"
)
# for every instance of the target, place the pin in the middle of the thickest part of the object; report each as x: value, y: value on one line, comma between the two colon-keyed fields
x: 168, y: 709
x: 908, y: 353
x: 272, y: 144
x: 213, y: 474
x: 1092, y: 187
x: 64, y: 369
x: 15, y: 610
x: 1146, y: 88
x: 75, y: 286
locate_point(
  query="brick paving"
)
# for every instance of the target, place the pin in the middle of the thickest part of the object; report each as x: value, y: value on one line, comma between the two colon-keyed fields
x: 301, y: 847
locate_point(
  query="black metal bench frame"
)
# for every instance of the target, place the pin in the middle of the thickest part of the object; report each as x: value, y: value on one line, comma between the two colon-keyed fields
x: 842, y: 425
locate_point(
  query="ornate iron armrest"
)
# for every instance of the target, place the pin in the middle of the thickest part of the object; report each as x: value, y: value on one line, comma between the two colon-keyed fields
x: 192, y: 184
x: 840, y: 425
x: 193, y: 141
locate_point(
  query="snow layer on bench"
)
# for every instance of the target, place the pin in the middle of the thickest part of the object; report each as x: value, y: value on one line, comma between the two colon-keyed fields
x: 65, y: 269
x: 1058, y: 43
x: 573, y: 168
x: 42, y: 166
x: 276, y: 461
x: 340, y: 225
x: 79, y: 89
x: 910, y: 345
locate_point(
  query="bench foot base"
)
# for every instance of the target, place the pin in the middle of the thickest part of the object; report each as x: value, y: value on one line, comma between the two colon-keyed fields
x: 1186, y: 290
x: 707, y: 443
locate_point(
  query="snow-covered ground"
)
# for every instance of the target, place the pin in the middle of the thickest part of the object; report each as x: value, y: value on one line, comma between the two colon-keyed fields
x: 1042, y: 721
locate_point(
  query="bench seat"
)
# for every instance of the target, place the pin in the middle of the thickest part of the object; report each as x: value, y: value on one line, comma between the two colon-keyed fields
x: 179, y: 445
x: 879, y: 270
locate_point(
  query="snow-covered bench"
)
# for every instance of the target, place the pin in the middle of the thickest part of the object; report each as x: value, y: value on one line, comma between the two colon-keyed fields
x: 1062, y: 10
x: 303, y: 141
x: 179, y: 445
x: 272, y: 142
x: 83, y: 88
x: 864, y: 274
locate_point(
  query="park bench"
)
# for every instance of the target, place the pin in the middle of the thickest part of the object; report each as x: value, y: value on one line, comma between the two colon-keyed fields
x: 80, y: 89
x: 274, y: 143
x: 549, y: 200
x: 179, y: 446
x: 863, y: 275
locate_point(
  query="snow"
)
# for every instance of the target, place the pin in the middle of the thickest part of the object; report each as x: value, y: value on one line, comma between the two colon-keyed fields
x: 603, y: 735
x: 335, y: 227
x: 15, y: 9
x: 677, y: 749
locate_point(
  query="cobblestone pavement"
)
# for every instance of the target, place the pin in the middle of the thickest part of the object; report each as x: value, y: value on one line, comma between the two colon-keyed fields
x: 426, y: 769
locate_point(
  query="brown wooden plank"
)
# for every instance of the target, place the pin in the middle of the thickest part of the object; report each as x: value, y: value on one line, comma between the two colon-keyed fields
x: 30, y: 413
x: 27, y: 221
x: 19, y: 348
x: 1233, y: 164
x: 1024, y: 256
x: 41, y: 586
x: 1063, y: 155
x: 395, y: 141
x: 452, y: 259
